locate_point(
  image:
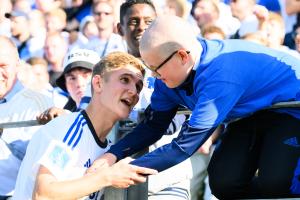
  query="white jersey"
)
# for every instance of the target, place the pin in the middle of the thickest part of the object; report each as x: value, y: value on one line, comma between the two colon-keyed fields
x: 66, y: 146
x: 25, y: 105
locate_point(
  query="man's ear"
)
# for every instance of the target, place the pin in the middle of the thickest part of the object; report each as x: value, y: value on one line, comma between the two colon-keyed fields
x: 119, y: 28
x: 97, y: 83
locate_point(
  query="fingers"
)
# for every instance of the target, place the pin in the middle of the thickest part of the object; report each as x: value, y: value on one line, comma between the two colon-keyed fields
x: 49, y: 114
x: 145, y: 171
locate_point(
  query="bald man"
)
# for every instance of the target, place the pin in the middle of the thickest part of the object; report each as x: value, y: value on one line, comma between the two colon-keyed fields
x: 221, y: 81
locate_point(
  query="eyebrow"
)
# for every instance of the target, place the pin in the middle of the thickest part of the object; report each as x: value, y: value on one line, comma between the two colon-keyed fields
x: 134, y: 77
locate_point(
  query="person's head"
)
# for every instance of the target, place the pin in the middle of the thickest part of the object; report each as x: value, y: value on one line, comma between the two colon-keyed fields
x: 39, y: 68
x: 177, y: 7
x: 19, y: 24
x: 55, y: 49
x: 211, y: 32
x: 103, y: 12
x: 47, y: 5
x: 9, y: 62
x: 297, y: 39
x: 78, y: 65
x: 88, y: 27
x: 56, y: 20
x: 169, y: 48
x: 242, y: 8
x: 274, y: 30
x: 135, y: 17
x: 22, y: 5
x: 116, y: 83
x: 205, y: 12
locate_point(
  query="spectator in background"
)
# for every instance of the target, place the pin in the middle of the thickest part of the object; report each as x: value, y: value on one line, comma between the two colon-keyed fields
x: 297, y: 39
x: 87, y: 30
x: 213, y: 12
x: 244, y: 11
x: 107, y: 41
x: 55, y: 50
x: 274, y: 30
x: 22, y: 5
x: 78, y: 66
x: 56, y: 20
x: 47, y: 5
x: 20, y: 32
x: 37, y: 27
x: 40, y: 82
x: 5, y: 7
x: 16, y: 104
x: 211, y: 32
x: 177, y: 7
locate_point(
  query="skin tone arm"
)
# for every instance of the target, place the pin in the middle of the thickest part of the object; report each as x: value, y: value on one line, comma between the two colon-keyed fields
x: 120, y: 175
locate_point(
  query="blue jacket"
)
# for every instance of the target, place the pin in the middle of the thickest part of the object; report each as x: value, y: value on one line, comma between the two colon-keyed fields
x: 234, y: 79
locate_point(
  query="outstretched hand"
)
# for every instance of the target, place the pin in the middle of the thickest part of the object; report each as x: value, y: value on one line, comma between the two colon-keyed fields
x: 123, y: 174
x: 50, y: 114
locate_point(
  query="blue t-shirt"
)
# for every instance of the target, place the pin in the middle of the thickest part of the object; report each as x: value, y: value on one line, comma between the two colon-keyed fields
x: 234, y: 79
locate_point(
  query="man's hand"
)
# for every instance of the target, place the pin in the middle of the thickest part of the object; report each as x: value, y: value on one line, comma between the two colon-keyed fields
x: 50, y: 114
x: 122, y: 174
x: 105, y: 160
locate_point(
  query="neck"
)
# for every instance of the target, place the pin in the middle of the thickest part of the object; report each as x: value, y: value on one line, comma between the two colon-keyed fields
x: 102, y: 122
x: 105, y: 34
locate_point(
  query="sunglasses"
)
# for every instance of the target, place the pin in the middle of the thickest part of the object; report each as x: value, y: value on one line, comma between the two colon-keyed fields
x: 154, y: 69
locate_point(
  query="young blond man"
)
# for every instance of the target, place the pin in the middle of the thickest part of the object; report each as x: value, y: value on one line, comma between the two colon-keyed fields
x: 60, y: 152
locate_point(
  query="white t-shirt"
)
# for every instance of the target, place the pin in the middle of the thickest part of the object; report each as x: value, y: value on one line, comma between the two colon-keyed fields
x: 66, y: 146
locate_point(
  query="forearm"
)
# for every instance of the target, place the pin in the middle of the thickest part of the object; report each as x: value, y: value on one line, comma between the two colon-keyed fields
x: 181, y: 148
x: 146, y: 133
x: 47, y: 187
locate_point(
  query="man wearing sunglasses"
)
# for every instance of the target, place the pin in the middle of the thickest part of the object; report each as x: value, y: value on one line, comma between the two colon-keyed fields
x: 220, y: 82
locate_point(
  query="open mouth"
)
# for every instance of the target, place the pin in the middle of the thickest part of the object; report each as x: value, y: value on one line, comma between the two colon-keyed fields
x: 127, y: 102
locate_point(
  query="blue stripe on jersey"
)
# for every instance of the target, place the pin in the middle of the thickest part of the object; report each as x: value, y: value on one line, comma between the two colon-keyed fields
x: 71, y: 128
x: 80, y: 134
x: 78, y: 125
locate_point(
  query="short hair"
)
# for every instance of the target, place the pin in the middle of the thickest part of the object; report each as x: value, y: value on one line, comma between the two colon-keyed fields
x: 37, y: 61
x: 109, y: 2
x: 58, y: 12
x: 212, y: 29
x: 116, y: 60
x: 129, y: 3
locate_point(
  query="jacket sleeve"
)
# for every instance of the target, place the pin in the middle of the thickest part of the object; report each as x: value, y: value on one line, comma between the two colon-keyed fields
x: 146, y: 133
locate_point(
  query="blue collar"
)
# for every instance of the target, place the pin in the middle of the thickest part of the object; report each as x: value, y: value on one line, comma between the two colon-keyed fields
x: 16, y: 88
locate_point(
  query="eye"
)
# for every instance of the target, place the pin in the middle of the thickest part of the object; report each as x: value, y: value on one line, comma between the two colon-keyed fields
x: 125, y: 80
x: 139, y: 86
x: 132, y: 22
x: 148, y: 22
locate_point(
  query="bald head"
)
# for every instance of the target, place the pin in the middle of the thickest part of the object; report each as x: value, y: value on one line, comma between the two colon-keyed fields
x: 8, y: 47
x: 9, y: 61
x: 166, y: 34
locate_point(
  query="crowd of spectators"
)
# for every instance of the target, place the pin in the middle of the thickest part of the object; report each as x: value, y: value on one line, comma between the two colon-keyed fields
x: 45, y: 31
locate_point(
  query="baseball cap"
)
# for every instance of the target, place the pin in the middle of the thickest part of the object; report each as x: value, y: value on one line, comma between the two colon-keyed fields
x: 16, y: 13
x: 77, y: 58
